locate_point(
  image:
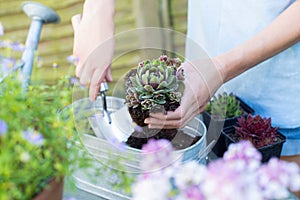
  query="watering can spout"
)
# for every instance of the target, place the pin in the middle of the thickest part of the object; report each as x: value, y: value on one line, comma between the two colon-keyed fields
x: 39, y: 15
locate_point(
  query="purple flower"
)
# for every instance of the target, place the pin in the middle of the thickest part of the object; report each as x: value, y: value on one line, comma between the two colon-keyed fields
x: 1, y: 29
x: 33, y: 137
x: 158, y: 154
x: 243, y: 155
x: 194, y: 193
x: 157, y: 146
x: 73, y: 80
x: 6, y: 65
x: 233, y: 181
x: 4, y: 43
x: 276, y: 177
x: 72, y: 59
x: 3, y: 127
x: 17, y: 46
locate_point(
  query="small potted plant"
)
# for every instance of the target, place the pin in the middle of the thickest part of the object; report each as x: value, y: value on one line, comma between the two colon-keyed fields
x: 36, y: 145
x: 155, y: 86
x: 259, y: 131
x: 221, y: 112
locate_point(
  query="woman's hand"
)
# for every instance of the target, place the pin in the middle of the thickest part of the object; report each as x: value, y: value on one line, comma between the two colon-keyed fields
x: 94, y: 43
x: 202, y: 79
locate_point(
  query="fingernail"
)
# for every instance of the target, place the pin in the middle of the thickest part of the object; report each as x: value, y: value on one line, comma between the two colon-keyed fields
x: 147, y: 121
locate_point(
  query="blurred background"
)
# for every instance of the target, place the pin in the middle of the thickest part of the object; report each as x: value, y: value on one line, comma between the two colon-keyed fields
x: 57, y: 39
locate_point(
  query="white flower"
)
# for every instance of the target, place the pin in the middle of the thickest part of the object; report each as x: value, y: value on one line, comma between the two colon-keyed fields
x: 153, y: 188
x: 25, y: 157
x: 190, y: 173
x: 1, y: 29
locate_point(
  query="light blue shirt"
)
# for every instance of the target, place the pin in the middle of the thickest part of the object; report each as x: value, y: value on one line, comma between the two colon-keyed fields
x: 273, y: 87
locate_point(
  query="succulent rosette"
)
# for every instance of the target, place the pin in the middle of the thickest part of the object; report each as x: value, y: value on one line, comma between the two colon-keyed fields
x: 154, y: 83
x: 256, y: 129
x: 224, y: 106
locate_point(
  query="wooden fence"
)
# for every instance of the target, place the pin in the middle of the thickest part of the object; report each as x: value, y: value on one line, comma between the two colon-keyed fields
x: 57, y: 39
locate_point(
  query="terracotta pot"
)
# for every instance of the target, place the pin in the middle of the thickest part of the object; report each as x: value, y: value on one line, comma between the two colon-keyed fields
x: 53, y: 192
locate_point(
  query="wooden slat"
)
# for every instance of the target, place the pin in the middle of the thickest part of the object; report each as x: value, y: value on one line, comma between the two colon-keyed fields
x: 57, y: 39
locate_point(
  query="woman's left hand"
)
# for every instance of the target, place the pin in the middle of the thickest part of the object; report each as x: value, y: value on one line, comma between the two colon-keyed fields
x: 202, y: 79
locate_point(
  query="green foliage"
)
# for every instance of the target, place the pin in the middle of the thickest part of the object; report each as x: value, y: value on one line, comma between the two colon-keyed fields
x: 36, y: 142
x: 155, y: 82
x: 224, y: 106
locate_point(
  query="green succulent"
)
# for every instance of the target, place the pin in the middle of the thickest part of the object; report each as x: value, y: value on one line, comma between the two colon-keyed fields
x: 224, y: 106
x: 155, y: 82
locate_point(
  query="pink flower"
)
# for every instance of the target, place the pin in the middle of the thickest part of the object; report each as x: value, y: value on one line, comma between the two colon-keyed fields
x: 193, y: 193
x: 276, y: 177
x: 158, y: 154
x: 243, y: 155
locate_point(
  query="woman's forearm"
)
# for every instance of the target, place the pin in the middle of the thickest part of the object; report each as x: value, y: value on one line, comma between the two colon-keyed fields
x: 282, y: 33
x: 99, y: 7
x: 102, y: 13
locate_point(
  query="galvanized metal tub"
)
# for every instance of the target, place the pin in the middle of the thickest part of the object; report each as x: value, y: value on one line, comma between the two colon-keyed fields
x: 103, y: 151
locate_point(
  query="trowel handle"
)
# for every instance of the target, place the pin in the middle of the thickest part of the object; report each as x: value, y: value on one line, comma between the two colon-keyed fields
x: 103, y: 87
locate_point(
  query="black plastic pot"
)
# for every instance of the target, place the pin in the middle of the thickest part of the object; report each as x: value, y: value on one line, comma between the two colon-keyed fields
x: 215, y: 126
x: 272, y: 150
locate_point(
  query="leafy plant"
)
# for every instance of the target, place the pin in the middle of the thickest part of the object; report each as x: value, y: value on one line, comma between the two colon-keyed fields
x: 224, y: 106
x: 257, y: 130
x: 36, y: 143
x: 155, y: 82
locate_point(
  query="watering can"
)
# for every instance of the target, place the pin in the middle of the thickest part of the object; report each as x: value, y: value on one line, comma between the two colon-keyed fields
x: 39, y: 14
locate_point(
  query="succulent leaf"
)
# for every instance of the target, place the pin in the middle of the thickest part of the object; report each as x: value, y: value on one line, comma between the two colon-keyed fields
x: 159, y: 97
x: 139, y: 89
x: 155, y: 82
x: 162, y: 85
x: 145, y: 96
x: 145, y: 78
x: 147, y: 104
x: 161, y: 69
x: 164, y: 91
x: 172, y: 83
x: 135, y: 82
x: 149, y: 88
x: 174, y: 96
x: 156, y: 63
x: 256, y: 129
x: 224, y: 106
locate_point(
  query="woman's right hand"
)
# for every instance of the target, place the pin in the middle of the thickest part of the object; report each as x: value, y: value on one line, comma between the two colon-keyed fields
x: 94, y: 43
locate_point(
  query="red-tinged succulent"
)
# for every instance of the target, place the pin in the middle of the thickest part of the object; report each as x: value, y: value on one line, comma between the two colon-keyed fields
x: 257, y: 130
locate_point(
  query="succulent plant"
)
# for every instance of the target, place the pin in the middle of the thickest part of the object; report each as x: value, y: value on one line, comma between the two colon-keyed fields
x: 154, y: 83
x: 257, y: 130
x: 224, y: 106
